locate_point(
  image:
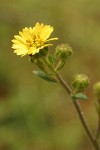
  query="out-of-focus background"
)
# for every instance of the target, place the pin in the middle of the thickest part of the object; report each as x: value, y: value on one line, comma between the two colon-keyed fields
x: 34, y: 114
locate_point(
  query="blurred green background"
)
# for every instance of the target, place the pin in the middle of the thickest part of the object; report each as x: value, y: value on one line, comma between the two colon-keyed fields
x: 34, y: 114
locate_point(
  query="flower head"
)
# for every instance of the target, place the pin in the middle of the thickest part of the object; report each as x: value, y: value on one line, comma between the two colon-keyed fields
x: 80, y: 82
x: 63, y: 51
x: 31, y: 40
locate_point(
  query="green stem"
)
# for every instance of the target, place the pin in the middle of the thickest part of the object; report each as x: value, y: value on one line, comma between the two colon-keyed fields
x: 77, y: 106
x: 98, y: 125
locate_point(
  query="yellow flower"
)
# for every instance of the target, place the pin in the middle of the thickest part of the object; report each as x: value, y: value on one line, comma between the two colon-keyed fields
x: 31, y: 40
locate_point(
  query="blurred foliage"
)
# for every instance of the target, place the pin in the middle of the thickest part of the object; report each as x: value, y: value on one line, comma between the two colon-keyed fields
x: 35, y: 114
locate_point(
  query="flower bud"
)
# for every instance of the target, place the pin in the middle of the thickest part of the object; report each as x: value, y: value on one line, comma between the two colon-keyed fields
x: 63, y: 51
x: 96, y: 89
x: 80, y: 82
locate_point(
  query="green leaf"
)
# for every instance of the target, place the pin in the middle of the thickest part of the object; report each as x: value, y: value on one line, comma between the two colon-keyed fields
x: 50, y: 59
x: 80, y: 96
x: 44, y: 76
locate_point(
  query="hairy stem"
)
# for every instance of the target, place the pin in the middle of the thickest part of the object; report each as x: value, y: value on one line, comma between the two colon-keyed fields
x: 80, y: 113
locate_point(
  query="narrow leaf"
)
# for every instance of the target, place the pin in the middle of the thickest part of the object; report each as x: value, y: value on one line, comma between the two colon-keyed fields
x: 50, y: 59
x: 44, y: 76
x: 80, y: 96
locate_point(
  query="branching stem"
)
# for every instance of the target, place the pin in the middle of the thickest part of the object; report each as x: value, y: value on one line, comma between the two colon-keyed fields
x: 77, y: 106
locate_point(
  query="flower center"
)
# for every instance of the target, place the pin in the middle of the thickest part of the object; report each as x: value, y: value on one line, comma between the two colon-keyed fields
x: 29, y: 43
x: 35, y: 42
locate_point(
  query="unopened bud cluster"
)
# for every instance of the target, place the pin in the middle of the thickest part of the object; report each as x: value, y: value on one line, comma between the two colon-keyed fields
x: 96, y: 89
x: 80, y: 82
x: 63, y: 51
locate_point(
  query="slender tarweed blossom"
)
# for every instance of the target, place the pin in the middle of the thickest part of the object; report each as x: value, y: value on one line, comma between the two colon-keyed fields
x: 31, y: 40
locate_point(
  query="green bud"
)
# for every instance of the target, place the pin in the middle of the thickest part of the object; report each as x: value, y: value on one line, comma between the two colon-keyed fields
x: 96, y: 89
x: 80, y: 82
x: 63, y: 51
x: 38, y: 62
x: 42, y: 53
